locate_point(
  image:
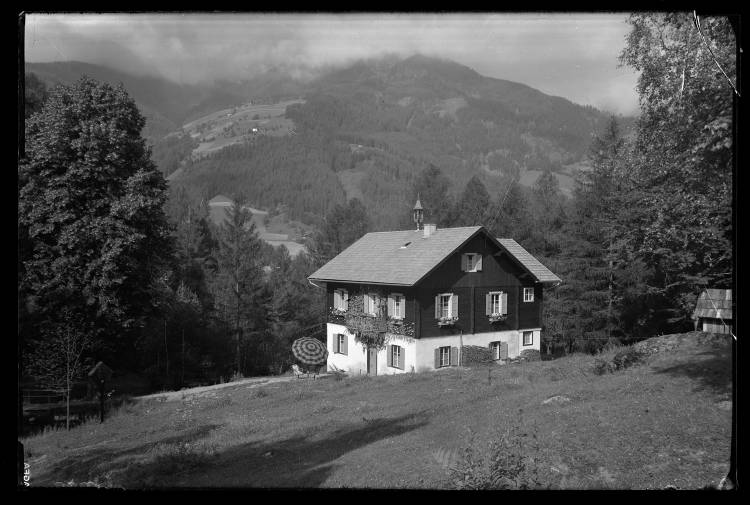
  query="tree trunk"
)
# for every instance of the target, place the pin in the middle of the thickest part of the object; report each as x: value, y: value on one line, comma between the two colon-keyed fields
x: 166, y: 352
x: 182, y: 376
x: 237, y: 324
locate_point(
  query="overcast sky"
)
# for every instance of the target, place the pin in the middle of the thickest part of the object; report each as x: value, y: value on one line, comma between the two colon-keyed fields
x: 568, y: 55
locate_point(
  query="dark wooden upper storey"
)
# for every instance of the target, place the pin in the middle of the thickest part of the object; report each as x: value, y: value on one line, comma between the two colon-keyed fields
x: 378, y: 265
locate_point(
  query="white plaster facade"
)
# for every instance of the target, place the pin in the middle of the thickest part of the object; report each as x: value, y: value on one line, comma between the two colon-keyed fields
x: 419, y: 354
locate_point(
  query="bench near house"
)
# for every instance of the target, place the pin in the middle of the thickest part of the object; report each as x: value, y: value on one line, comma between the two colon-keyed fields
x: 441, y: 289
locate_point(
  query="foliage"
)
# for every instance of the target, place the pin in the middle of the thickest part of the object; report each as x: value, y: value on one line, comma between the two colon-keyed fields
x: 530, y: 355
x: 475, y: 355
x: 90, y: 214
x: 35, y: 94
x: 679, y: 175
x: 368, y: 330
x: 239, y: 288
x: 342, y: 226
x: 509, y: 461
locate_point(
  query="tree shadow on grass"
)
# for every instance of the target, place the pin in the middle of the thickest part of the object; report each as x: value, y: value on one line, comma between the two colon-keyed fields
x: 297, y: 462
x: 90, y: 466
x: 711, y: 371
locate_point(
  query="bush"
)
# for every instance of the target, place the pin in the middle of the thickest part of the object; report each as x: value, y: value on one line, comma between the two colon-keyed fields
x: 626, y: 358
x: 530, y: 355
x: 509, y: 462
x: 475, y: 355
x: 621, y: 360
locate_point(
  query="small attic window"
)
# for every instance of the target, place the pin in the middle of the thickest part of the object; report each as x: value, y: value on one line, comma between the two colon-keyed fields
x: 405, y: 245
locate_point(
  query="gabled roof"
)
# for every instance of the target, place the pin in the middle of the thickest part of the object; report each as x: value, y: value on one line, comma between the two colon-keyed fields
x: 529, y: 262
x: 405, y: 257
x: 714, y: 303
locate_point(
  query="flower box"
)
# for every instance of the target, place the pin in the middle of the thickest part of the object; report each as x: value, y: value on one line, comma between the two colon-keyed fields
x: 447, y: 321
x: 495, y: 318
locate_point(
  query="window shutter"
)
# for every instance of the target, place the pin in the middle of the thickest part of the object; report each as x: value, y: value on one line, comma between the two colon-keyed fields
x: 479, y: 263
x: 454, y: 356
x: 437, y: 357
x: 464, y: 262
x: 346, y: 345
x: 345, y: 299
x: 488, y: 304
x: 402, y: 358
x: 504, y: 303
x: 336, y: 298
x: 367, y: 303
x: 503, y: 350
x: 437, y: 307
x: 391, y: 306
x: 336, y: 345
x: 390, y: 355
x: 454, y: 305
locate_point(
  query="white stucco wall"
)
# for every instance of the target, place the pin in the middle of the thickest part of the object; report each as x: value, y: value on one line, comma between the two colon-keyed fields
x: 355, y: 361
x: 419, y: 354
x: 425, y: 347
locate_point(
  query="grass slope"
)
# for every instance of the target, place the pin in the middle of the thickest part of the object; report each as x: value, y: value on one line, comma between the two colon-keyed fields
x: 662, y: 422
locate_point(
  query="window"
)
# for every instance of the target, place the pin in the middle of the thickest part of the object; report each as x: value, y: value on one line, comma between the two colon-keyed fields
x: 528, y: 294
x: 471, y: 262
x: 341, y: 299
x: 444, y: 306
x: 445, y: 356
x: 397, y: 360
x: 396, y: 305
x: 497, y: 303
x: 528, y: 338
x: 371, y: 304
x: 341, y: 344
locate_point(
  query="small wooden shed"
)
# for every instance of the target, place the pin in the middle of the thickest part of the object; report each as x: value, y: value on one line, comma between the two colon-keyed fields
x: 713, y: 311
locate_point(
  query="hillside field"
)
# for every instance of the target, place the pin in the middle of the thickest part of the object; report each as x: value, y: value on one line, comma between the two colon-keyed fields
x: 664, y: 421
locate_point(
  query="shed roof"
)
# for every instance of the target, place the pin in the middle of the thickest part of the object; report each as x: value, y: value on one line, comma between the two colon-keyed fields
x: 405, y: 257
x: 714, y: 303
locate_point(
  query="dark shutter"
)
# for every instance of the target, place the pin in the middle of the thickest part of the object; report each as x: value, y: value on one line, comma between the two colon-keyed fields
x: 504, y: 303
x: 454, y: 305
x: 454, y: 356
x: 488, y: 304
x: 402, y: 358
x: 437, y: 307
x: 479, y: 263
x: 345, y: 346
x: 437, y: 357
x: 390, y: 355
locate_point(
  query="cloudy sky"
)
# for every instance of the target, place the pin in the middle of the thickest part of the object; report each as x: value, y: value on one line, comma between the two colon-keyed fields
x: 568, y: 55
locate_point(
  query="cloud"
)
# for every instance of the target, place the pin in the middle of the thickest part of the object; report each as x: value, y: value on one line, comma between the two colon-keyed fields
x: 574, y: 56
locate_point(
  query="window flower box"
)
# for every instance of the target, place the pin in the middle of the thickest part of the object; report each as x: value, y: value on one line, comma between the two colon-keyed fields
x: 496, y: 318
x: 338, y: 312
x: 447, y: 321
x: 396, y: 320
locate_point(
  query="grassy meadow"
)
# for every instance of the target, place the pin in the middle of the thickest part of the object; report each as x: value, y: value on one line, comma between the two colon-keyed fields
x: 664, y: 421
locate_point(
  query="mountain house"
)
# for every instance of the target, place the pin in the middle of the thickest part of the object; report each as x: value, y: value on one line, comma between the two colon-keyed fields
x: 713, y: 311
x: 431, y: 291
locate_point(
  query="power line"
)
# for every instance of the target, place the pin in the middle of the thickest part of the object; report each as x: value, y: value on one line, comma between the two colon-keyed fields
x: 697, y: 23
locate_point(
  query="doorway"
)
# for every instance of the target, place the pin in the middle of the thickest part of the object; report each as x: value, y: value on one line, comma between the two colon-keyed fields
x: 372, y: 361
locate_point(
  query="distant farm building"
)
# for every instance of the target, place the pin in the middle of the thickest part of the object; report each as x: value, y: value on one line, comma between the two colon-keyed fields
x: 713, y: 311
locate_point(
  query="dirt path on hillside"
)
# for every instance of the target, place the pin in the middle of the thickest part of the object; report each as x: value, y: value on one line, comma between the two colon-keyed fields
x: 251, y: 382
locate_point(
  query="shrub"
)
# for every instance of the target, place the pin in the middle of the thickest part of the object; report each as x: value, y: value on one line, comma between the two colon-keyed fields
x: 530, y: 355
x: 475, y: 355
x: 626, y: 358
x: 510, y: 461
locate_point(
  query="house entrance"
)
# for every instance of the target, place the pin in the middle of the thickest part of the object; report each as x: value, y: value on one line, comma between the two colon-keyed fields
x: 372, y: 361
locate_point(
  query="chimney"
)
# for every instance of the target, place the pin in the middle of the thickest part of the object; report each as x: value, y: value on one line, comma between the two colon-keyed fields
x: 429, y: 229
